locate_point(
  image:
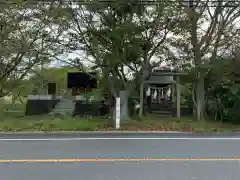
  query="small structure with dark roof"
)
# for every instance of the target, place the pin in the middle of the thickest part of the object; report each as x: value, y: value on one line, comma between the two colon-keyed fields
x: 159, y: 89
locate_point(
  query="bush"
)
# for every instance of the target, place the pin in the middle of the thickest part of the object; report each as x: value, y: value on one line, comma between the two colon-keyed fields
x: 222, y: 104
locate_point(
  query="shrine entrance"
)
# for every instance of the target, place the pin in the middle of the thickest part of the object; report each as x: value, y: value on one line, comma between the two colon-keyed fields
x: 161, y: 93
x: 158, y: 99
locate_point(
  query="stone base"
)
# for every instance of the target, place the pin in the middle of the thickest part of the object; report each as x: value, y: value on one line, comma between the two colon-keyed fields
x: 40, y: 104
x: 44, y: 104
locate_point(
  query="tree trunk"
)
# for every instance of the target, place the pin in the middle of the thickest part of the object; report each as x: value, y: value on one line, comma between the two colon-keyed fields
x: 200, y: 98
x: 200, y: 91
x: 124, y: 96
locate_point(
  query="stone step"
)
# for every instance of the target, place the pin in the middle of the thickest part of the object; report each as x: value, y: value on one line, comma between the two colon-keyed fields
x: 161, y: 106
x: 162, y: 115
x: 163, y: 109
x: 64, y: 106
x: 162, y: 112
x: 63, y: 109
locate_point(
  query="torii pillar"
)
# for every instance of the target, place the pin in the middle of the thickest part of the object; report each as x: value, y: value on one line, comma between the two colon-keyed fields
x: 178, y: 96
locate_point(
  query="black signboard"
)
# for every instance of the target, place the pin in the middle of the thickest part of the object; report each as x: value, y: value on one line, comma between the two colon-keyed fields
x: 81, y: 80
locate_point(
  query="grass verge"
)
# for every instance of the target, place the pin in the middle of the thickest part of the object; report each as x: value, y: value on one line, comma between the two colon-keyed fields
x: 183, y: 125
x: 18, y: 123
x: 47, y: 123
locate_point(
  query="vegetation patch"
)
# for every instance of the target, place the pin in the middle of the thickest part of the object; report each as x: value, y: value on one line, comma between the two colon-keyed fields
x: 183, y: 125
x: 48, y: 123
x: 18, y: 123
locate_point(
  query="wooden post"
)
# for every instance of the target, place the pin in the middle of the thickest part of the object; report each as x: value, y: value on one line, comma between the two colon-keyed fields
x: 141, y: 100
x: 178, y: 96
x: 172, y: 92
x: 74, y: 91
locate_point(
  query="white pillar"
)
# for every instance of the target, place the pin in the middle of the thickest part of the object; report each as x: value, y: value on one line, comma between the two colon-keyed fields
x: 178, y: 94
x: 118, y: 113
x: 141, y: 100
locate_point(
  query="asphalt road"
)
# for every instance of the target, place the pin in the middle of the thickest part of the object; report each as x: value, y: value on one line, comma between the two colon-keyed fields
x: 119, y: 157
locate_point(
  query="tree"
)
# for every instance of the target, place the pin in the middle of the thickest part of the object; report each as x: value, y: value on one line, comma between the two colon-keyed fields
x: 122, y: 38
x: 210, y: 29
x: 27, y: 35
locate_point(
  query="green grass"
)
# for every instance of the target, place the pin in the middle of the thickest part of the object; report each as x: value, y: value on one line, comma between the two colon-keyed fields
x: 47, y: 123
x: 12, y: 119
x: 172, y: 124
x: 17, y: 122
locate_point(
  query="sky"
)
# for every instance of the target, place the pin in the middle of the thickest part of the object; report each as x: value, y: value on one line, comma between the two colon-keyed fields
x: 58, y: 63
x: 73, y: 55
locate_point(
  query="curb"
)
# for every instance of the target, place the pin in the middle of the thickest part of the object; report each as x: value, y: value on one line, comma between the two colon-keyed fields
x: 95, y: 132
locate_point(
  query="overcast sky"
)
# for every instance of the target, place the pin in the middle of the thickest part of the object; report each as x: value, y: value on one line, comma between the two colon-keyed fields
x: 73, y: 55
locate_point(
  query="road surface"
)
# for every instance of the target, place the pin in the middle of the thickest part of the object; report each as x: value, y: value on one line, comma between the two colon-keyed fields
x: 68, y: 156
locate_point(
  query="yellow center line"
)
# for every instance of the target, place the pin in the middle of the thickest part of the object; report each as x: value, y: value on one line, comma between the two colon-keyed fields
x: 81, y: 160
